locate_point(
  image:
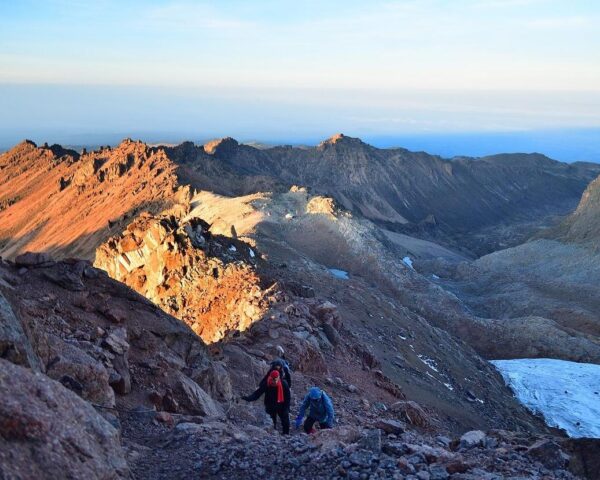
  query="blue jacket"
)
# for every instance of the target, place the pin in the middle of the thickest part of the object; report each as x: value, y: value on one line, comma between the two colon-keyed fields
x: 321, y: 410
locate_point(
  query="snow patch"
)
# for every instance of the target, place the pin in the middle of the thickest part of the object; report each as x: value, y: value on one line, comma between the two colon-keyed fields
x: 232, y: 248
x: 408, y: 262
x: 251, y: 252
x: 567, y: 394
x: 429, y: 362
x: 435, y: 277
x: 339, y: 273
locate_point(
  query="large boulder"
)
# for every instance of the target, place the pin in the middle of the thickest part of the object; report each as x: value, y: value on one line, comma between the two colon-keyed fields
x: 48, y: 432
x: 390, y: 426
x: 412, y: 413
x: 34, y: 260
x: 549, y: 454
x: 193, y: 399
x: 76, y: 370
x: 474, y: 438
x: 62, y: 276
x: 14, y: 344
x: 215, y: 380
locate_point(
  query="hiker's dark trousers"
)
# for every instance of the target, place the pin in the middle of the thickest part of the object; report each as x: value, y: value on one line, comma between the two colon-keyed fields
x: 309, y: 422
x: 284, y: 416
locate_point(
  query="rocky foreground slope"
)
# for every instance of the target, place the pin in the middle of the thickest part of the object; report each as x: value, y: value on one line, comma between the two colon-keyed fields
x: 99, y: 383
x: 219, y: 285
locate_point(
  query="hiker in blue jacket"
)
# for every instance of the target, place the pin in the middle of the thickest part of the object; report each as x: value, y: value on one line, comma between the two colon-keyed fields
x: 320, y: 409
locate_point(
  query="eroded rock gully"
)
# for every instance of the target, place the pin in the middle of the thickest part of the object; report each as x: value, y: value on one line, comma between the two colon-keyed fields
x: 208, y: 281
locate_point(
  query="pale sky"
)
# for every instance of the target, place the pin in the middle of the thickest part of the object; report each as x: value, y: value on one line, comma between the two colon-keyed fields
x: 288, y: 70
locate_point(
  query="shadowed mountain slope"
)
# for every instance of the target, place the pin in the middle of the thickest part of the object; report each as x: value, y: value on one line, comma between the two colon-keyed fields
x: 550, y: 280
x: 583, y: 225
x: 411, y: 191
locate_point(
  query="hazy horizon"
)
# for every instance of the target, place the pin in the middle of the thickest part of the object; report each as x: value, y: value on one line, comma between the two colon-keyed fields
x: 557, y: 145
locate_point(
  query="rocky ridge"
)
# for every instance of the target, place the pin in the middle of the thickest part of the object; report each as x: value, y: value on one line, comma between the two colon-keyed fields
x: 471, y: 205
x: 449, y: 201
x: 39, y: 187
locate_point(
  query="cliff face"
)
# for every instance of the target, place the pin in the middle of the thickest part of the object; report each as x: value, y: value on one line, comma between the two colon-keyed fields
x: 66, y: 204
x: 209, y: 282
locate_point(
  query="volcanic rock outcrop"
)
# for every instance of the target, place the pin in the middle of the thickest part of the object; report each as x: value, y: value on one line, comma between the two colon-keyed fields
x: 210, y: 282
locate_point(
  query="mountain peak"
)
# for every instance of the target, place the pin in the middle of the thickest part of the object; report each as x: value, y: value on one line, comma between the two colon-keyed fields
x: 340, y: 139
x: 29, y: 142
x: 25, y: 145
x: 220, y: 145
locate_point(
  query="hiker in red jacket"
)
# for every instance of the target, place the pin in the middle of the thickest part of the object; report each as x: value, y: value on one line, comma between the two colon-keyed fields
x: 277, y: 399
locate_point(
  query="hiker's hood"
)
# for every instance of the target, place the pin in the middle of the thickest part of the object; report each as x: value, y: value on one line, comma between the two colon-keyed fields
x: 277, y: 363
x: 314, y: 393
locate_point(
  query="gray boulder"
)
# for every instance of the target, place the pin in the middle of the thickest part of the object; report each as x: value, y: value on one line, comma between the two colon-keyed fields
x: 193, y: 399
x: 14, y: 344
x: 48, y: 432
x: 472, y: 439
x: 76, y: 370
x: 34, y: 260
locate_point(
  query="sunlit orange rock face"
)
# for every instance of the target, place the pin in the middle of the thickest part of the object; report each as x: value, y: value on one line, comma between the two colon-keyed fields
x: 209, y: 282
x: 65, y: 203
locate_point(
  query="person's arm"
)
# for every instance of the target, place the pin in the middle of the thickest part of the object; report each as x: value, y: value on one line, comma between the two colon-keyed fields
x: 257, y: 393
x: 287, y: 376
x: 302, y: 411
x: 329, y: 409
x: 287, y: 396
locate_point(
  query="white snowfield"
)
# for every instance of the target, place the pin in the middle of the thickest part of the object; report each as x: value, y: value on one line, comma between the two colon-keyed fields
x: 567, y: 394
